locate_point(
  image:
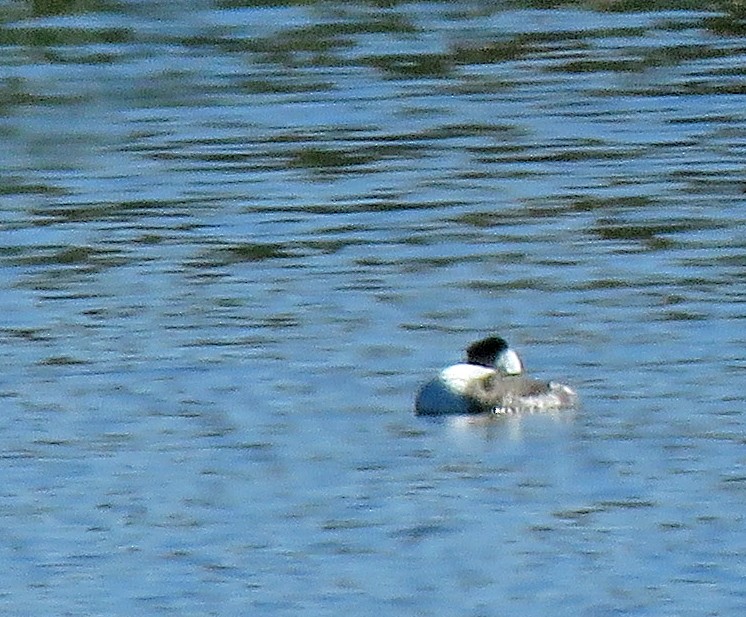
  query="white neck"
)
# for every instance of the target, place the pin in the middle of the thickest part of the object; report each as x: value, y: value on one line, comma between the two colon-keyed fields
x: 457, y: 377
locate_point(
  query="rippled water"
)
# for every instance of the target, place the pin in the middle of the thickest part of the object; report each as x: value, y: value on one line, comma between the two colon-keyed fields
x: 238, y: 235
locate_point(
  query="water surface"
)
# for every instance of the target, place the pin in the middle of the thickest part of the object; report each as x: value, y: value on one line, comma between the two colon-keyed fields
x: 236, y: 237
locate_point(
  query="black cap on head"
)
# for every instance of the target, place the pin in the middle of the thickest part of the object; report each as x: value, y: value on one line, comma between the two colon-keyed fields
x: 485, y: 351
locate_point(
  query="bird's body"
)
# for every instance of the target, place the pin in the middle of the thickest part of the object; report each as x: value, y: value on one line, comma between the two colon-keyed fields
x: 491, y: 380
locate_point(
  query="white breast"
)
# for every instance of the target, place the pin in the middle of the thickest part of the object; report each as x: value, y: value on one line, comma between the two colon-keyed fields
x: 457, y: 377
x: 445, y: 394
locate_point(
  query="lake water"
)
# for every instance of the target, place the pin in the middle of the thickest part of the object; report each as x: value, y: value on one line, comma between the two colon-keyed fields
x: 237, y: 236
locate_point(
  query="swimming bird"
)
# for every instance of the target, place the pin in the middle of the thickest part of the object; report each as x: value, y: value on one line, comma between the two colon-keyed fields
x: 490, y: 380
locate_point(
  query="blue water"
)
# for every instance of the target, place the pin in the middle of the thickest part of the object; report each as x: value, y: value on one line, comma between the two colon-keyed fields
x: 237, y: 236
